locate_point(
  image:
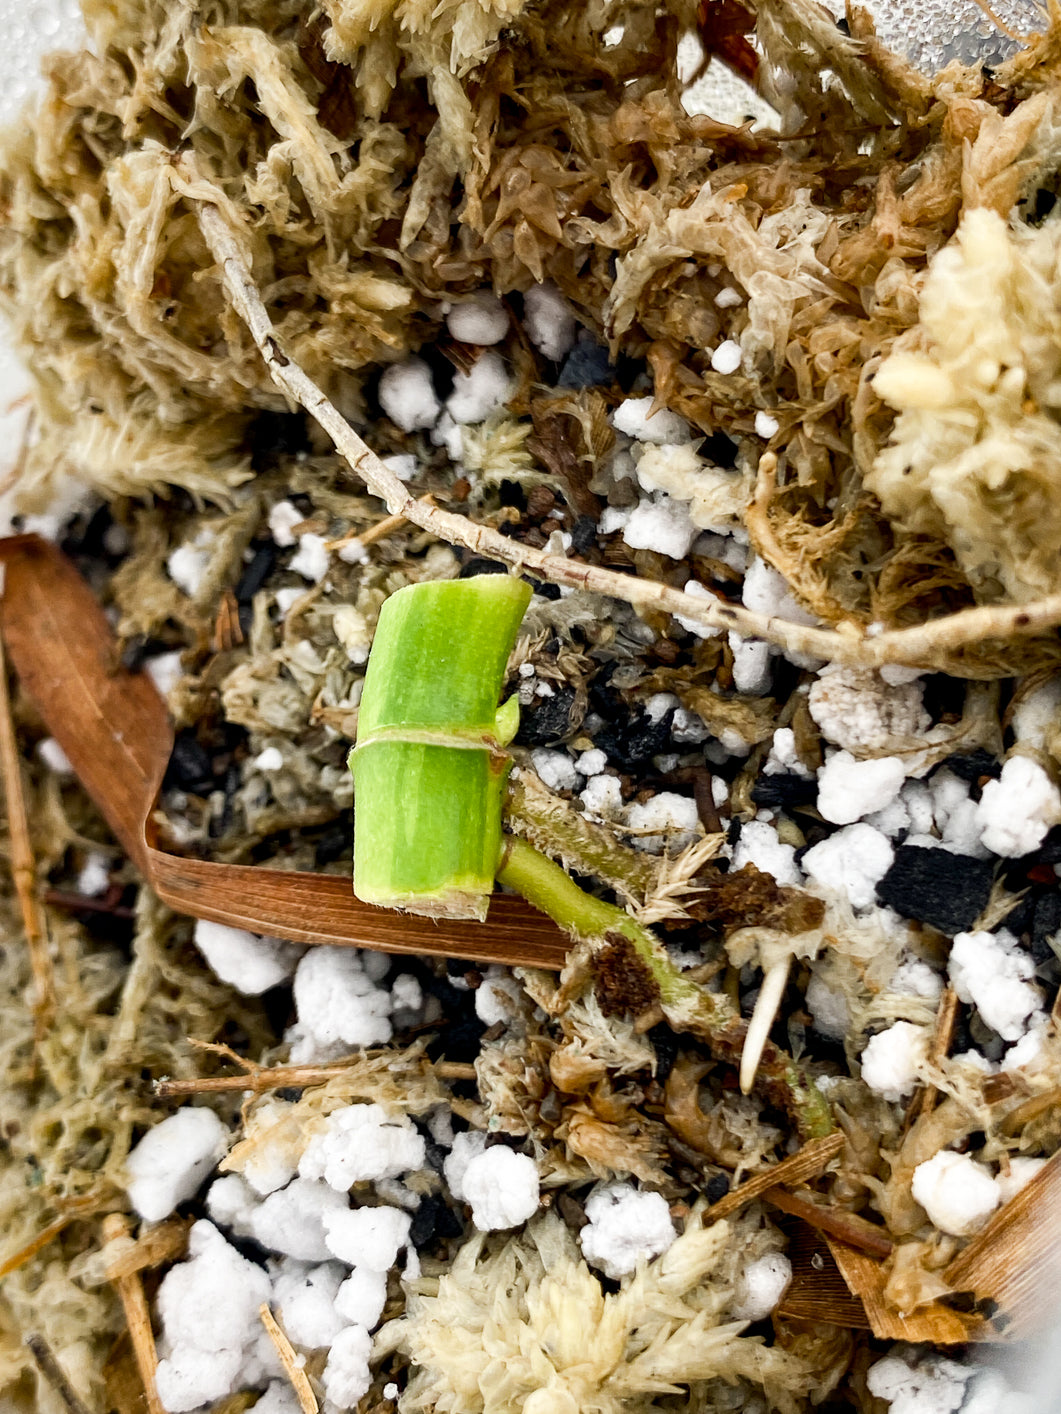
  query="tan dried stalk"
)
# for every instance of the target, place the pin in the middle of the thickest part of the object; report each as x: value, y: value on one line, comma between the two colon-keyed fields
x: 137, y: 1316
x: 307, y: 1400
x: 925, y: 644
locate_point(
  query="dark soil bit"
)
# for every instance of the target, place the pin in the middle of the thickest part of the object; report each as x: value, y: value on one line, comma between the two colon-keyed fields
x: 1049, y: 852
x: 433, y: 1218
x: 784, y: 791
x: 547, y: 721
x: 274, y: 435
x: 971, y: 766
x: 720, y: 449
x: 511, y: 493
x: 189, y: 766
x: 256, y: 572
x: 586, y: 366
x: 946, y: 891
x: 665, y: 1044
x: 583, y: 534
x: 333, y: 844
x: 572, y: 1212
x: 944, y: 696
x: 1045, y: 924
x: 478, y: 565
x: 460, y: 1031
x: 624, y: 983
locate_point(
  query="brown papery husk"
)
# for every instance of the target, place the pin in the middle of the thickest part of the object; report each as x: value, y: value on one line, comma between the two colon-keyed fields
x: 117, y: 733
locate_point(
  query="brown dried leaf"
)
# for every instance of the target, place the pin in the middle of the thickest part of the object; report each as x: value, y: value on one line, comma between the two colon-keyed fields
x: 114, y: 727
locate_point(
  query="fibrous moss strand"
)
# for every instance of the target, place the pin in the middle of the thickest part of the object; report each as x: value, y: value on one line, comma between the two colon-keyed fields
x: 686, y: 1005
x: 549, y: 822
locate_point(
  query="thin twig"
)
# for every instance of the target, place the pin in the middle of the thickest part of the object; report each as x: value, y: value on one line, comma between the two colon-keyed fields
x: 23, y: 864
x: 924, y: 1102
x: 379, y: 531
x: 920, y: 645
x: 285, y: 1350
x: 137, y: 1316
x: 54, y: 1373
x: 282, y: 1077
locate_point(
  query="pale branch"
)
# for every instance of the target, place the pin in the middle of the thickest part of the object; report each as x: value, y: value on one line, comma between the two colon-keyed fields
x: 920, y: 645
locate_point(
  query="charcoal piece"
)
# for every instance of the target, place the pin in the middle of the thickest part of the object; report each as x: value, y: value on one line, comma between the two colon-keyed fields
x: 632, y: 743
x: 189, y: 766
x: 969, y: 766
x: 587, y: 365
x: 784, y: 791
x: 480, y: 565
x: 542, y: 588
x: 546, y: 721
x: 583, y: 534
x: 665, y: 1044
x: 256, y: 572
x: 139, y: 648
x: 433, y: 1218
x: 277, y: 434
x: 717, y: 1187
x: 947, y: 891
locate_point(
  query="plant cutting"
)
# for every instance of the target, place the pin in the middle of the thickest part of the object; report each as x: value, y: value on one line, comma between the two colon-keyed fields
x: 430, y: 771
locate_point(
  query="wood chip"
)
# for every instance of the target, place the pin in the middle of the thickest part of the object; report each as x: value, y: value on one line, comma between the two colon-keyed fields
x: 817, y: 1291
x: 936, y: 1324
x: 114, y: 727
x: 285, y: 1350
x: 809, y: 1162
x: 1015, y: 1259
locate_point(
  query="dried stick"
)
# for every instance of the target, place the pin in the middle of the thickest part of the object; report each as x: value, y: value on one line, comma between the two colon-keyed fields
x: 137, y: 1316
x: 920, y: 645
x: 847, y: 1227
x: 280, y: 1077
x: 23, y: 865
x: 379, y: 531
x: 285, y: 1350
x: 54, y: 1373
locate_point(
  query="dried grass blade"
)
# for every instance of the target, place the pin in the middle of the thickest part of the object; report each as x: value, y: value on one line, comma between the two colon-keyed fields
x: 809, y: 1162
x: 1015, y: 1259
x: 114, y: 727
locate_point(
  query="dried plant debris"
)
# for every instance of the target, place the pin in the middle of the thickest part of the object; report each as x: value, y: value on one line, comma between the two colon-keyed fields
x: 769, y: 421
